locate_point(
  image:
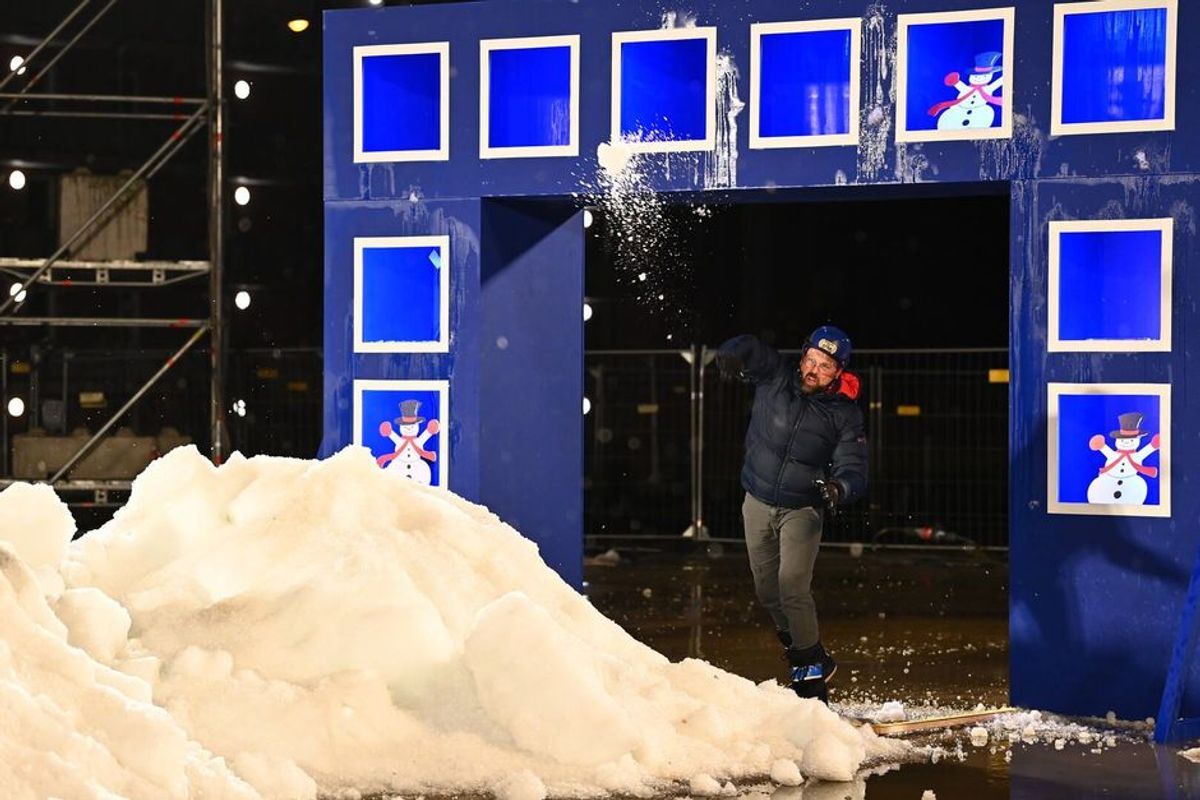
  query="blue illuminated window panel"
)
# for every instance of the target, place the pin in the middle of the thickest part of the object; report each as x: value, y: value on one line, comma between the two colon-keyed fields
x: 529, y: 100
x: 1110, y: 285
x: 664, y: 90
x: 401, y: 102
x: 401, y: 299
x: 804, y: 83
x: 1114, y: 66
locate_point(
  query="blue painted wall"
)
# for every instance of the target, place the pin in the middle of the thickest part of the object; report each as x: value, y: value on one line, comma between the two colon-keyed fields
x: 1094, y: 600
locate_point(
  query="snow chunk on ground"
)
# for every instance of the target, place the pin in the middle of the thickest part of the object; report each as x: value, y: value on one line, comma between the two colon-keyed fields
x: 786, y: 773
x: 523, y: 785
x: 892, y: 711
x: 1192, y: 755
x: 705, y: 785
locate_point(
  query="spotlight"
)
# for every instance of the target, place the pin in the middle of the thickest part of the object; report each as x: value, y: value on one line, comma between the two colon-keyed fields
x: 16, y: 179
x: 375, y: 2
x: 587, y: 218
x: 242, y: 300
x: 587, y: 406
x: 241, y: 90
x: 15, y: 65
x: 16, y: 407
x: 241, y: 195
x: 17, y: 293
x: 239, y: 407
x: 587, y: 311
x: 298, y: 25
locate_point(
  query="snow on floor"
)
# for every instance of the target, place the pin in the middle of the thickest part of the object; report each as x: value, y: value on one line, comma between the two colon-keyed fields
x: 280, y: 627
x: 1002, y: 732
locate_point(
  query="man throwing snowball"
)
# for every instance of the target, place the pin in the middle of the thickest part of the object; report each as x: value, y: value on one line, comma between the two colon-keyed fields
x: 805, y: 451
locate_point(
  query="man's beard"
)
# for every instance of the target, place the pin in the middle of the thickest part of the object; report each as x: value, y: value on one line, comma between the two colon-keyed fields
x: 809, y: 388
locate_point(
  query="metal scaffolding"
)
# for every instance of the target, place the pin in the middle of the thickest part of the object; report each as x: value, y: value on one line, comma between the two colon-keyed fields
x: 59, y: 269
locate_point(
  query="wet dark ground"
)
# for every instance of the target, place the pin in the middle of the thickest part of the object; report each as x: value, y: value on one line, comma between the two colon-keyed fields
x: 926, y: 629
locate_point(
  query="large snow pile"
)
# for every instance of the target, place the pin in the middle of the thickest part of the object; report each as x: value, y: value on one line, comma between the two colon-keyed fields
x: 279, y: 627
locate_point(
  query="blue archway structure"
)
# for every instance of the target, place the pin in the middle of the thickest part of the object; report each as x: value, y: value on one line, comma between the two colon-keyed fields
x: 1095, y: 595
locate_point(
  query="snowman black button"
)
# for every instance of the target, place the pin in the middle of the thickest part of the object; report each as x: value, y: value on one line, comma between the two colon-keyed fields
x: 1117, y: 495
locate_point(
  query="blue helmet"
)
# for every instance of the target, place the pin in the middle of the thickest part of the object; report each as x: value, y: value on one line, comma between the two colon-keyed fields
x: 831, y: 341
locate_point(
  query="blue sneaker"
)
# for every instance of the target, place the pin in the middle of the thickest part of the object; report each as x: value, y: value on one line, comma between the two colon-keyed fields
x: 812, y: 668
x: 809, y: 672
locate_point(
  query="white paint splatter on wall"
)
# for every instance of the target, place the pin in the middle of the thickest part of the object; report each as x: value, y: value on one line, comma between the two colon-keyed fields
x: 878, y: 94
x: 1017, y: 158
x: 911, y: 163
x: 720, y: 166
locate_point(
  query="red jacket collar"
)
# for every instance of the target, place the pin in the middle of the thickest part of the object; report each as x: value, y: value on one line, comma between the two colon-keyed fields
x: 847, y: 384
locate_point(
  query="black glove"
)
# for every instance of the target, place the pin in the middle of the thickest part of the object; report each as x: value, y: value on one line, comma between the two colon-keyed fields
x: 831, y: 492
x: 729, y: 366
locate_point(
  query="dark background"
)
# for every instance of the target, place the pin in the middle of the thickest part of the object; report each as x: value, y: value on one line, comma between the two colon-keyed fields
x: 910, y: 274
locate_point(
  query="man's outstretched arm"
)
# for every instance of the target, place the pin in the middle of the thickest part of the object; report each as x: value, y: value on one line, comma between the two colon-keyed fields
x: 748, y: 355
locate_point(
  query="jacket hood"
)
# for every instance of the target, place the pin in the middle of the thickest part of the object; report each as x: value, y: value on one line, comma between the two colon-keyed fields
x: 847, y: 384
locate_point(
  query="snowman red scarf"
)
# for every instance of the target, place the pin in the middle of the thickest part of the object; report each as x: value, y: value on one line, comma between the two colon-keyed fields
x: 1127, y: 455
x: 945, y: 104
x: 408, y: 440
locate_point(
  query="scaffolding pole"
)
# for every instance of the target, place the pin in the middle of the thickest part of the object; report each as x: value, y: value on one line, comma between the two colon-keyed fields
x: 87, y: 447
x: 216, y: 225
x: 79, y: 35
x: 107, y: 98
x: 102, y: 322
x: 146, y: 171
x: 211, y: 111
x: 94, y: 114
x: 42, y: 44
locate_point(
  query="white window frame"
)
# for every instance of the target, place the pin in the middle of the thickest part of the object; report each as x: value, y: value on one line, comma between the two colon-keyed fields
x: 903, y: 23
x: 443, y: 390
x: 442, y: 343
x: 760, y: 29
x: 1055, y: 344
x: 442, y: 153
x: 486, y: 48
x: 1167, y: 123
x: 709, y: 35
x: 1160, y: 390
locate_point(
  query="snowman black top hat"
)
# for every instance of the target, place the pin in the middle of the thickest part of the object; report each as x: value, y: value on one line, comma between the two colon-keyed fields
x: 988, y: 63
x: 1131, y: 426
x: 408, y: 413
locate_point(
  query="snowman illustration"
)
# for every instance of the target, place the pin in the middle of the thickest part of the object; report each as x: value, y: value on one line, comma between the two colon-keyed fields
x: 410, y: 457
x: 1122, y: 479
x: 973, y: 106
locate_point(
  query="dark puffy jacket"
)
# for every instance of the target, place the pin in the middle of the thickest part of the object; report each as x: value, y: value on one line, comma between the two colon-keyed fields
x: 794, y: 438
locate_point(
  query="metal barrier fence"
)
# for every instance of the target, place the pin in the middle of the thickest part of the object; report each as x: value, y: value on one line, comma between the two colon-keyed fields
x: 274, y: 396
x: 664, y: 447
x: 663, y: 437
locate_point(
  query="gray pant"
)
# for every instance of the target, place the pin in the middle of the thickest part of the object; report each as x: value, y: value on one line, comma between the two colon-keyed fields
x: 783, y: 544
